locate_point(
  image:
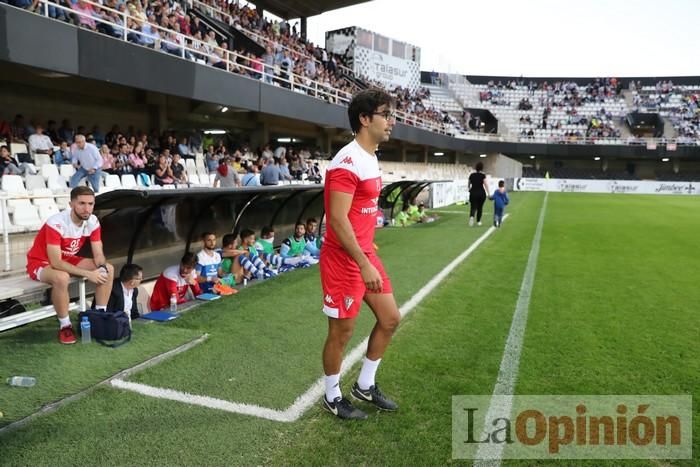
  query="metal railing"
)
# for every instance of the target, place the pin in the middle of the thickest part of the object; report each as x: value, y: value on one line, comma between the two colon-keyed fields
x: 259, y: 38
x: 188, y: 48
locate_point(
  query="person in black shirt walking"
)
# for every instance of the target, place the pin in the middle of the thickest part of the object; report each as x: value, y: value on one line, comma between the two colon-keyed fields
x: 478, y: 188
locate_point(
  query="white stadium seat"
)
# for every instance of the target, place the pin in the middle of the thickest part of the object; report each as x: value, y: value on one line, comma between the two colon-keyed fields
x: 112, y: 182
x: 66, y: 171
x: 46, y: 211
x: 41, y: 159
x: 24, y: 214
x: 57, y: 184
x: 49, y: 170
x: 46, y: 199
x: 34, y: 182
x: 128, y: 181
x: 13, y: 184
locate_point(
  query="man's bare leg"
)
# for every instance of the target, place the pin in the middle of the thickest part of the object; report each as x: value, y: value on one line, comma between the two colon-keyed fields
x: 387, y: 313
x: 58, y: 280
x: 339, y: 334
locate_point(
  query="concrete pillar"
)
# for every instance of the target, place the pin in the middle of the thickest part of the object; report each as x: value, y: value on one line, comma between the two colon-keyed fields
x: 425, y: 154
x: 324, y: 140
x: 158, y: 111
x: 303, y: 30
x: 604, y: 165
x: 676, y: 165
x: 403, y: 152
x: 261, y: 135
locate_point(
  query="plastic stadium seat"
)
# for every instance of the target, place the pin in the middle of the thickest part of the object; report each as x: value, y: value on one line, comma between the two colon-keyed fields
x: 57, y: 184
x: 46, y: 197
x: 13, y: 185
x: 46, y: 211
x: 139, y: 181
x: 66, y: 171
x: 10, y: 226
x: 41, y: 159
x: 18, y: 148
x: 48, y: 170
x: 193, y: 179
x: 112, y: 182
x: 26, y: 215
x: 34, y: 182
x: 128, y: 181
x: 190, y: 166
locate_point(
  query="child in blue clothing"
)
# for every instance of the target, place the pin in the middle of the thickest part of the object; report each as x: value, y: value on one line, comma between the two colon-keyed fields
x: 500, y: 200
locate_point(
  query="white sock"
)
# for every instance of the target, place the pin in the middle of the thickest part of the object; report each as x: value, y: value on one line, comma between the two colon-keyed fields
x: 101, y: 307
x: 369, y: 369
x: 332, y: 387
x: 64, y: 322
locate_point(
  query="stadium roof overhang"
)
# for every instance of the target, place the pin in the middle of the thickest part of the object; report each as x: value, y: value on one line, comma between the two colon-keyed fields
x: 288, y: 9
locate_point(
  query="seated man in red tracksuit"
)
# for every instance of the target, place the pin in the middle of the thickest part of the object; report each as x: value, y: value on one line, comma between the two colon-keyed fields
x: 175, y: 280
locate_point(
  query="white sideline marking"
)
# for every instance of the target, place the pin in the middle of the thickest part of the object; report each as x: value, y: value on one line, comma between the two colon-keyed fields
x: 489, y: 455
x: 465, y: 212
x: 305, y: 401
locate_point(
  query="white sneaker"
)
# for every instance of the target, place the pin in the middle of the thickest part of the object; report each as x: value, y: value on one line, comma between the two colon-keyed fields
x: 479, y: 224
x: 471, y: 222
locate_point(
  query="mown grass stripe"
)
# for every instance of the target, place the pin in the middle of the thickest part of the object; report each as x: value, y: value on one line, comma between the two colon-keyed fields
x: 490, y: 454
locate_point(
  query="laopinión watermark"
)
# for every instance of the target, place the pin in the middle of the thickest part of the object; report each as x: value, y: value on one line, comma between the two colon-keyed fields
x: 572, y: 427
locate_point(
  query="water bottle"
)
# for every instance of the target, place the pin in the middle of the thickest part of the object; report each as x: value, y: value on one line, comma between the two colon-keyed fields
x: 173, y: 303
x: 23, y: 381
x: 85, y: 330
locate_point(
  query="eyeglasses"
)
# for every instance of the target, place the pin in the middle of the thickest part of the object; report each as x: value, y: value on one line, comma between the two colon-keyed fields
x: 387, y: 114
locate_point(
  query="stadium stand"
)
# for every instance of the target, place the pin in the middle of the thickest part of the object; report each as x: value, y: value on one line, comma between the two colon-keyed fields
x: 556, y: 112
x: 679, y: 104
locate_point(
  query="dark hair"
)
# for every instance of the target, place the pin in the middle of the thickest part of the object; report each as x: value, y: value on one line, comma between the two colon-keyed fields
x: 189, y: 259
x: 81, y: 191
x: 501, y: 183
x: 311, y: 219
x: 206, y: 234
x: 246, y: 233
x: 228, y: 239
x: 129, y: 271
x: 267, y: 230
x: 479, y: 166
x: 299, y: 223
x: 365, y: 103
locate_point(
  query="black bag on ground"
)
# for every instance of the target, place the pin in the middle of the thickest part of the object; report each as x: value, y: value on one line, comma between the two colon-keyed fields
x: 10, y: 307
x: 108, y: 326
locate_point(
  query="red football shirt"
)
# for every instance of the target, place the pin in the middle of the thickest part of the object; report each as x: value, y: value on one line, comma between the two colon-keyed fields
x: 59, y: 229
x: 355, y: 171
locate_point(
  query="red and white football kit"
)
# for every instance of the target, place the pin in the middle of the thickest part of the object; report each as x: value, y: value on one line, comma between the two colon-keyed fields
x: 354, y: 171
x: 60, y: 230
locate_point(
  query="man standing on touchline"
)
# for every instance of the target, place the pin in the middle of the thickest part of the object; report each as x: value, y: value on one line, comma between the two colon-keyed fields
x: 351, y: 272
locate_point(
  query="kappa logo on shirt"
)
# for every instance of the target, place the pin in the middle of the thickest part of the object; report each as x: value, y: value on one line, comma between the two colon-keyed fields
x: 347, y: 160
x: 329, y: 300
